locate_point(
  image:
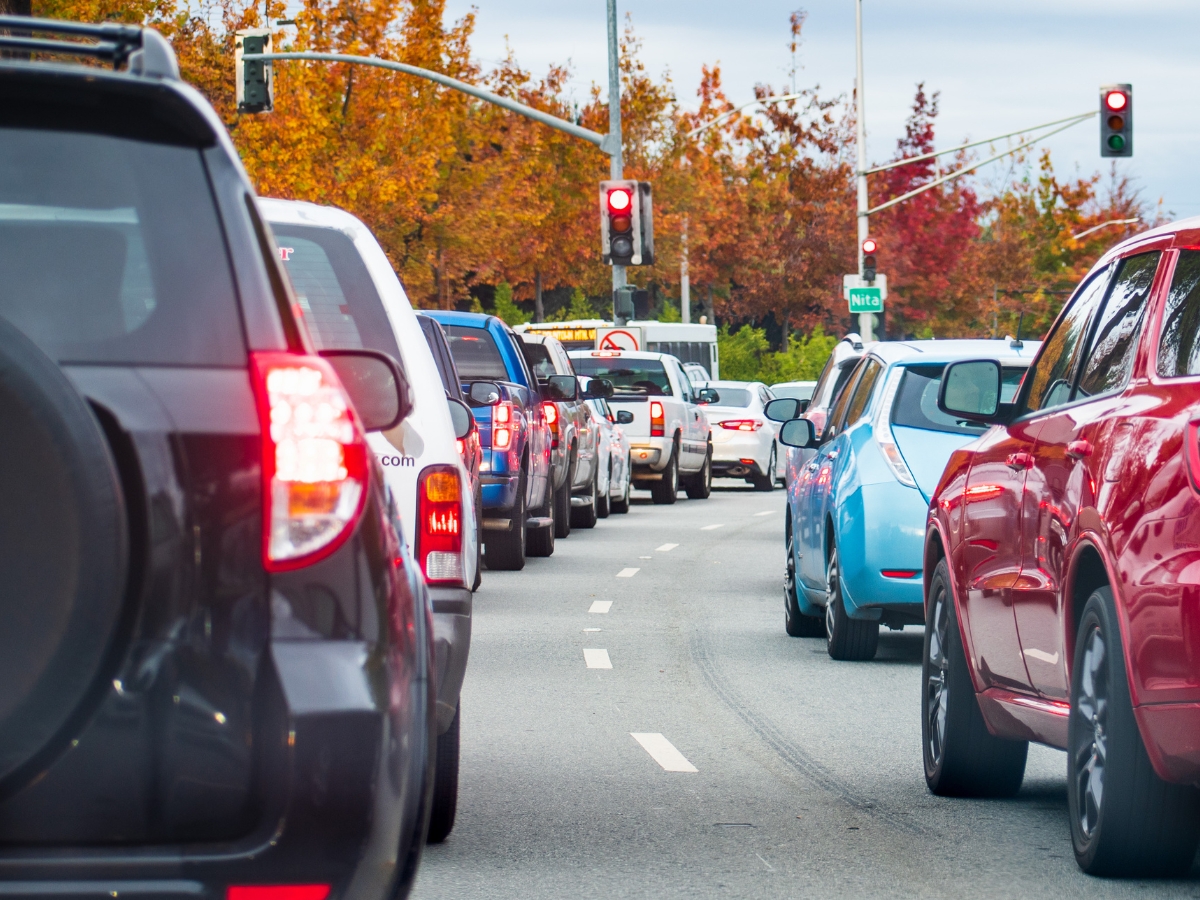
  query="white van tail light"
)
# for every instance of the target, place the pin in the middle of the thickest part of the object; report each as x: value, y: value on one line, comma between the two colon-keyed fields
x: 314, y: 459
x: 439, y: 535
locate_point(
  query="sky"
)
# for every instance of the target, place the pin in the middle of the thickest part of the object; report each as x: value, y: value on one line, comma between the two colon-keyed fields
x: 1000, y: 66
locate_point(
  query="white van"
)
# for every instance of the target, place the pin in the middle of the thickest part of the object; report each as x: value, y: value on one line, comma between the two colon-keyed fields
x: 350, y: 297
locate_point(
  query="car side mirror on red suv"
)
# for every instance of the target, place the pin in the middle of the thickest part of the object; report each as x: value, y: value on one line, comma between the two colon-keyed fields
x: 971, y: 390
x: 376, y: 386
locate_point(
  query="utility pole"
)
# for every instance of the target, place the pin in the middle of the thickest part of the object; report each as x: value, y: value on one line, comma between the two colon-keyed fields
x: 685, y: 287
x: 866, y: 321
x: 616, y: 166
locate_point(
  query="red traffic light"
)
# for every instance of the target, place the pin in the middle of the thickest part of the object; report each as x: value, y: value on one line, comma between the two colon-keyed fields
x: 869, y: 246
x: 619, y: 200
x: 1116, y: 101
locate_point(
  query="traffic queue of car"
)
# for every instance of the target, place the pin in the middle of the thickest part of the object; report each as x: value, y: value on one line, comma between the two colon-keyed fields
x: 1037, y: 507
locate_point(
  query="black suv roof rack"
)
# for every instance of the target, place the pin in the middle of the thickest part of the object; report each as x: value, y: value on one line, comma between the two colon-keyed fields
x: 144, y: 49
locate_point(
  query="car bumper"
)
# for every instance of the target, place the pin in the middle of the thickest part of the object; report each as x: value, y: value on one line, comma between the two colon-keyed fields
x: 451, y: 646
x: 731, y: 447
x: 881, y: 527
x: 649, y: 456
x: 499, y: 494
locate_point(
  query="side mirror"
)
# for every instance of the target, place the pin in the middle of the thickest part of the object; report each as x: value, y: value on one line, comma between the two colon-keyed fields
x: 781, y: 409
x: 707, y: 395
x: 376, y: 385
x: 797, y: 433
x: 971, y: 390
x: 461, y: 416
x: 484, y: 393
x: 598, y: 389
x: 804, y: 406
x: 624, y: 417
x: 561, y: 387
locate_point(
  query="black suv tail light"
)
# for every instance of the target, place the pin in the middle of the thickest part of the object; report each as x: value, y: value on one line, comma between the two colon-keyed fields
x: 439, y: 535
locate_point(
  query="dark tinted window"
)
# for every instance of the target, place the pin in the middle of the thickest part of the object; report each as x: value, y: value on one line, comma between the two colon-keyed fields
x: 441, y: 355
x: 844, y: 392
x: 916, y: 401
x: 1055, y: 366
x: 111, y: 251
x: 1179, y: 345
x: 739, y: 397
x: 1110, y: 357
x: 334, y: 290
x: 475, y: 353
x: 629, y: 376
x: 537, y: 357
x: 862, y: 392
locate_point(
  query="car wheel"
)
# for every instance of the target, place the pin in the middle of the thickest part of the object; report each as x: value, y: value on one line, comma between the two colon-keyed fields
x: 962, y: 758
x: 664, y: 490
x: 1125, y: 820
x: 585, y: 516
x: 505, y: 550
x: 699, y: 486
x: 796, y: 623
x: 622, y: 506
x: 766, y: 481
x: 846, y: 638
x: 562, y: 504
x: 445, y: 784
x: 603, y: 501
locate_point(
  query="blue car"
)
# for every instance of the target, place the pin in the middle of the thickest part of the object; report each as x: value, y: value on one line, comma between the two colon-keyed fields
x: 857, y: 508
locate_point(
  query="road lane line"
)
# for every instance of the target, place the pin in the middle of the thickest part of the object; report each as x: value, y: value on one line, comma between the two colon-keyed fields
x: 627, y: 573
x: 711, y: 527
x: 766, y: 512
x: 600, y: 606
x: 665, y: 548
x: 597, y: 659
x: 590, y: 629
x: 663, y: 752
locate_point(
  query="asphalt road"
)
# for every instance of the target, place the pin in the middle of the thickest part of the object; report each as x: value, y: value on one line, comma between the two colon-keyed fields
x: 808, y: 775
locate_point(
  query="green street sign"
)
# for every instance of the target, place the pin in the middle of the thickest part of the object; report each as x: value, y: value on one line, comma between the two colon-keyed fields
x: 866, y: 300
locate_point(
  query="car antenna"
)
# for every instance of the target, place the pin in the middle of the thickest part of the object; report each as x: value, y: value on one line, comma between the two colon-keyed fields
x: 1015, y: 342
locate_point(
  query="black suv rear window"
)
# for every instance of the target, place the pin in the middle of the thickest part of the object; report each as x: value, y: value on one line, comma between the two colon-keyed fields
x: 111, y: 251
x: 475, y: 353
x: 916, y: 403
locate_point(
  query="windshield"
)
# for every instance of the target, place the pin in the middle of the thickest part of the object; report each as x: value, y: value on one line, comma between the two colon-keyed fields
x: 734, y: 397
x: 111, y: 251
x: 916, y: 402
x: 475, y: 353
x: 629, y: 376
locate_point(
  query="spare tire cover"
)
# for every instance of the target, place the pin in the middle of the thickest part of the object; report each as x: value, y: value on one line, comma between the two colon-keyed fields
x: 63, y: 551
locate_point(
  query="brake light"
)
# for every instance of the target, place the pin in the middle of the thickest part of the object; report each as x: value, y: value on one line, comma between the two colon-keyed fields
x: 439, y: 535
x: 314, y: 459
x: 552, y: 420
x: 656, y: 419
x: 277, y: 892
x: 606, y: 353
x: 502, y: 417
x: 462, y: 448
x: 899, y: 573
x: 742, y: 424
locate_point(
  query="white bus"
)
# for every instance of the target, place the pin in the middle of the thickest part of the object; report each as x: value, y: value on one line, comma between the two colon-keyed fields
x: 688, y: 343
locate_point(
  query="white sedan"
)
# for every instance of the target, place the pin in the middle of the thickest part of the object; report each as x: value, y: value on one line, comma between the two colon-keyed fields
x: 743, y: 437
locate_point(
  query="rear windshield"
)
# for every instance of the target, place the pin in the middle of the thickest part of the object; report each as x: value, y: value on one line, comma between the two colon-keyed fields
x: 538, y: 358
x: 475, y: 353
x: 738, y: 397
x: 111, y: 251
x: 337, y: 297
x: 629, y: 376
x: 916, y: 402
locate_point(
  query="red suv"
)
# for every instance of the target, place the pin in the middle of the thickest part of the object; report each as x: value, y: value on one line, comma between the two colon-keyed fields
x: 1062, y: 566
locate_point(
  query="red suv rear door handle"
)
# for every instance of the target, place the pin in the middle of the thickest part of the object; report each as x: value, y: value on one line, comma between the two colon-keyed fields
x: 1079, y: 449
x: 1019, y: 461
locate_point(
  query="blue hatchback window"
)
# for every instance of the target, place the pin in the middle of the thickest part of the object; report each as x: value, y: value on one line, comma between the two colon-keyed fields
x: 916, y: 402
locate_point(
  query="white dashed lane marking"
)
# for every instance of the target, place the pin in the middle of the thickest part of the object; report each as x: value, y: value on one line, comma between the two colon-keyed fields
x: 600, y: 606
x: 711, y: 527
x: 665, y: 548
x: 627, y: 573
x: 766, y: 512
x: 597, y: 659
x: 663, y: 752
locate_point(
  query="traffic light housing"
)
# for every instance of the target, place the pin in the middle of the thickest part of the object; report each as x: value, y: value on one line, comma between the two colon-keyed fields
x: 869, y: 248
x: 623, y: 304
x: 255, y: 91
x: 626, y: 223
x: 1116, y: 120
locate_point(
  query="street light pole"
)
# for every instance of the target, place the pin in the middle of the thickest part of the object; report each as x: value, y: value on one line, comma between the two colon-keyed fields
x: 616, y: 165
x: 866, y: 321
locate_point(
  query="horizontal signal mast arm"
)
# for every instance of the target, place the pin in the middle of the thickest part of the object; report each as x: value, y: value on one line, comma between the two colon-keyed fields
x: 603, y: 141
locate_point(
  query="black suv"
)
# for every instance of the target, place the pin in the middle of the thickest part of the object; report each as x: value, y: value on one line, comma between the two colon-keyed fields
x: 215, y: 651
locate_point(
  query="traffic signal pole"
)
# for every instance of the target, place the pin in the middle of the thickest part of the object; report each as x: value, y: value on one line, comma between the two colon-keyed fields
x: 866, y: 321
x: 616, y: 168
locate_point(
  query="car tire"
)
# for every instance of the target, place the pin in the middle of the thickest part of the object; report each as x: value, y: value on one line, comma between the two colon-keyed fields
x: 665, y: 490
x: 796, y: 623
x: 445, y: 784
x: 622, y: 506
x: 766, y: 481
x: 699, y: 486
x: 1125, y: 820
x: 585, y: 516
x: 846, y: 639
x: 603, y: 501
x: 505, y: 550
x: 562, y: 504
x: 539, y: 542
x: 962, y: 758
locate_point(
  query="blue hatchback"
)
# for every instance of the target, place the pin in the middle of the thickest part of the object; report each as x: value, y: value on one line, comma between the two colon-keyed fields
x: 857, y: 508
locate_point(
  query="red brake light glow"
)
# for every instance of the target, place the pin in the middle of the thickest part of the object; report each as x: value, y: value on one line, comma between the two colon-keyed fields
x: 439, y: 538
x: 741, y: 424
x: 314, y: 459
x: 551, y: 412
x: 656, y: 419
x: 502, y: 425
x: 277, y: 892
x: 1115, y: 100
x: 619, y: 200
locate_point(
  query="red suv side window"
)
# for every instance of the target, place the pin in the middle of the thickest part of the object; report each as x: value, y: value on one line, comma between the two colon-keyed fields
x: 1114, y: 344
x: 1179, y: 345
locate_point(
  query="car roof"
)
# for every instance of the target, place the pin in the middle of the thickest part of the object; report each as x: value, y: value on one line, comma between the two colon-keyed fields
x: 466, y: 319
x: 619, y: 354
x: 735, y: 384
x: 906, y: 352
x: 793, y: 384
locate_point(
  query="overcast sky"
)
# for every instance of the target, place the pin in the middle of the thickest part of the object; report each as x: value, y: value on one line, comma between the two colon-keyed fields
x: 1000, y: 66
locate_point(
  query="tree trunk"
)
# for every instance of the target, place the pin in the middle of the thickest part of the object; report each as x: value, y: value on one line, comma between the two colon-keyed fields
x: 539, y: 312
x: 16, y: 7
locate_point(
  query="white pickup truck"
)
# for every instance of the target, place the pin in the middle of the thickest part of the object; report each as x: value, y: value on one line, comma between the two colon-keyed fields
x: 656, y: 404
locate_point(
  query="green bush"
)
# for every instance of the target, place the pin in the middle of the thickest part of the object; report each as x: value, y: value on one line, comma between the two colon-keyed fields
x: 580, y: 307
x: 746, y: 355
x: 506, y: 308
